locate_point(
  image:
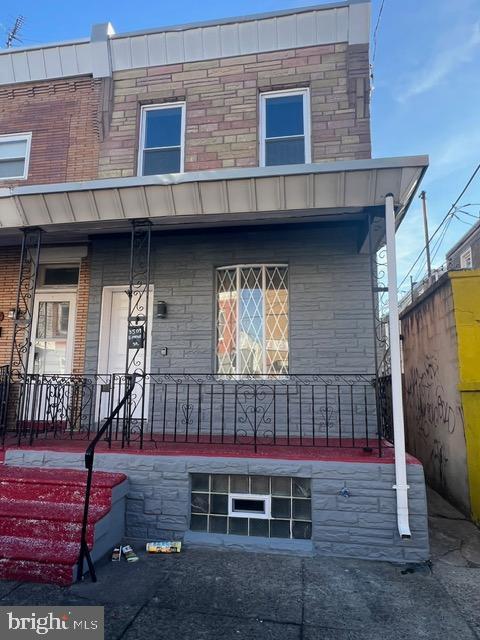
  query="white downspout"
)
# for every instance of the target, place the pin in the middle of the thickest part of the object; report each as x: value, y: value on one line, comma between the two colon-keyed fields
x: 401, y: 485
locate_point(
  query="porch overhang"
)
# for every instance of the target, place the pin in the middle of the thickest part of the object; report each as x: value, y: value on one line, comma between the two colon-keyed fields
x: 325, y: 191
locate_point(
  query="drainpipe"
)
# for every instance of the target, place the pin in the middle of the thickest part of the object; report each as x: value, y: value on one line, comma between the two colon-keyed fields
x: 400, y: 485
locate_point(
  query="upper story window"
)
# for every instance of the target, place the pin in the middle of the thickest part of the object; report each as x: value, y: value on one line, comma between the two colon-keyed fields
x: 285, y: 127
x: 162, y: 139
x: 14, y: 156
x: 252, y: 319
x: 466, y: 259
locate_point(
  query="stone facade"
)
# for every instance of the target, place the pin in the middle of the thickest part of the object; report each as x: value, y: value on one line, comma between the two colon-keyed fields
x: 329, y: 292
x: 362, y: 525
x: 222, y: 98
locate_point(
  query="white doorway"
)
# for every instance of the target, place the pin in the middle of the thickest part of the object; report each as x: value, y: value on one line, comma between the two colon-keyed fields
x: 53, y: 331
x: 113, y: 339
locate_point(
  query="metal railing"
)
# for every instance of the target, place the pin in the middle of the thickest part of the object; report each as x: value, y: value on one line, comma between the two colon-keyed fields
x: 4, y: 384
x: 316, y: 410
x: 84, y: 553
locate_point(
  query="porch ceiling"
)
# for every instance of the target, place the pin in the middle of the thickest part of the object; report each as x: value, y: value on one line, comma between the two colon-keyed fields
x: 326, y: 191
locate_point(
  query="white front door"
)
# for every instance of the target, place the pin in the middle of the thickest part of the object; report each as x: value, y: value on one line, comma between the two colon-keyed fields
x: 113, y: 331
x: 53, y: 332
x: 113, y: 342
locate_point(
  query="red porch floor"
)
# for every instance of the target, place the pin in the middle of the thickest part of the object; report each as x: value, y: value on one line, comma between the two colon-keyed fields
x: 280, y: 451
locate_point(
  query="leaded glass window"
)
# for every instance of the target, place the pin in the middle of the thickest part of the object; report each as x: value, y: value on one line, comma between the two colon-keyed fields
x: 252, y: 319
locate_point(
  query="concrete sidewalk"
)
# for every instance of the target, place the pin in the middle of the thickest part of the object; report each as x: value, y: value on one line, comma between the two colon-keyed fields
x: 208, y: 595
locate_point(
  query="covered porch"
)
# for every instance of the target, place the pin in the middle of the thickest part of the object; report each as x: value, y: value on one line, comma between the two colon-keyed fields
x: 316, y: 382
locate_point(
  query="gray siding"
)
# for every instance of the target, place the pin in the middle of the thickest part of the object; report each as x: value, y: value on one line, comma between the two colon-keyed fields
x: 329, y: 287
x: 363, y: 525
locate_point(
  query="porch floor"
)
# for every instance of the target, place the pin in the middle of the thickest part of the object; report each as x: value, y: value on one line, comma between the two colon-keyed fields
x: 280, y: 451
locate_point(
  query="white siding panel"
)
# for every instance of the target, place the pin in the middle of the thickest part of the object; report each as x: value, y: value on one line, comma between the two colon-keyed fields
x: 139, y: 51
x: 157, y: 51
x: 20, y: 67
x: 193, y: 44
x: 211, y: 42
x: 68, y: 60
x: 287, y: 32
x: 36, y: 64
x: 84, y: 58
x: 267, y: 34
x: 342, y: 34
x: 326, y: 26
x: 52, y: 63
x: 159, y: 200
x: 248, y: 36
x: 121, y: 54
x: 6, y: 69
x: 229, y: 40
x: 175, y: 52
x: 306, y: 29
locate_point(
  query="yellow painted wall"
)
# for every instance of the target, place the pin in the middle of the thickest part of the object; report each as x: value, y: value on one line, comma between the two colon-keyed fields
x: 466, y: 296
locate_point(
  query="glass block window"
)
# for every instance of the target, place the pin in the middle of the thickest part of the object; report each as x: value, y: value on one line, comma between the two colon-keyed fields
x: 285, y: 127
x: 290, y: 505
x: 14, y: 156
x: 162, y: 139
x: 252, y: 319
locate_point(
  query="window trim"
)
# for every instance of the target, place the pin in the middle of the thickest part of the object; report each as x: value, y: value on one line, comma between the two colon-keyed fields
x: 238, y: 268
x: 17, y: 137
x: 143, y: 119
x: 264, y: 96
x: 467, y: 253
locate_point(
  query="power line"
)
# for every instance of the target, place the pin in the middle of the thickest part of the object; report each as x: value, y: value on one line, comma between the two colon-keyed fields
x: 375, y: 31
x: 449, y: 212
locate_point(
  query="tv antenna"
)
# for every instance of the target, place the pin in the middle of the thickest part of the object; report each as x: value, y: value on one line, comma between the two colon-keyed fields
x: 12, y: 36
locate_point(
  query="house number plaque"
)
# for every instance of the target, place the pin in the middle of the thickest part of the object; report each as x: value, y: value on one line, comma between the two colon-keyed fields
x: 136, y: 338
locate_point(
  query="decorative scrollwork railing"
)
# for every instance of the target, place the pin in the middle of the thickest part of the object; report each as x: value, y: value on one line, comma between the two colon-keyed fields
x: 316, y: 410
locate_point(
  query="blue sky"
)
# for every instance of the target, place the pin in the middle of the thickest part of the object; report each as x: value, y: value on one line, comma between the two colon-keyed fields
x: 427, y: 89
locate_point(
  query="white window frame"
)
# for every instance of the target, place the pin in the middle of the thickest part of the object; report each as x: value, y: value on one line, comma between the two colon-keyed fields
x: 466, y: 259
x: 18, y: 137
x: 305, y: 92
x: 238, y: 268
x: 233, y: 513
x: 143, y: 120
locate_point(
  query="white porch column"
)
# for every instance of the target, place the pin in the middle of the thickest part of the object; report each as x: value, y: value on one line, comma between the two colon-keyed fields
x: 397, y: 400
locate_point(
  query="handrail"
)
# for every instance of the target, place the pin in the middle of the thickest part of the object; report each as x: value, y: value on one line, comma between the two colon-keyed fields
x: 89, y: 459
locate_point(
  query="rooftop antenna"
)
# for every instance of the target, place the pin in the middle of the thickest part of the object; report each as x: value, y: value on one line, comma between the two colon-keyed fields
x: 12, y: 35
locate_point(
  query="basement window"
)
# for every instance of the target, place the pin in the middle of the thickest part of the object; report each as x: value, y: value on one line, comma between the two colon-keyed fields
x: 265, y: 506
x: 14, y: 156
x: 162, y: 139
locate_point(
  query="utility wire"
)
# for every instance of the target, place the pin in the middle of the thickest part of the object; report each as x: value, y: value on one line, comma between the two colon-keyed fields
x: 445, y: 218
x: 375, y: 31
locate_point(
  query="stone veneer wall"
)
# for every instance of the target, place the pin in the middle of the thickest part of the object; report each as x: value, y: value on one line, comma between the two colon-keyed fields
x: 362, y: 525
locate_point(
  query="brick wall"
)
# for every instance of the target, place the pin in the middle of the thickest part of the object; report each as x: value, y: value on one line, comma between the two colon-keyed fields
x: 64, y: 119
x: 81, y: 319
x: 9, y: 261
x: 222, y: 106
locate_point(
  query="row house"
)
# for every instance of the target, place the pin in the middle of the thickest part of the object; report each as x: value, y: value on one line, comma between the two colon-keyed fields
x: 190, y: 221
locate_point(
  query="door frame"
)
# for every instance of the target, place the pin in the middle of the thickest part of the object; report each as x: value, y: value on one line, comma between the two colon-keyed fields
x: 55, y: 296
x: 105, y: 324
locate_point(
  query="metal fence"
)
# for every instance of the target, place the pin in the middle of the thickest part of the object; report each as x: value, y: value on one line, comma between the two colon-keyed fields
x: 317, y: 410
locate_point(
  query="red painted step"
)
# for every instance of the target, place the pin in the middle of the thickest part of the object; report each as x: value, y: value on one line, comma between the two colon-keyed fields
x: 41, y: 513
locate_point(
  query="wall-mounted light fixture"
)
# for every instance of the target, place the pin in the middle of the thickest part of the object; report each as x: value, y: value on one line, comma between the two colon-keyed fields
x: 161, y: 309
x: 11, y: 314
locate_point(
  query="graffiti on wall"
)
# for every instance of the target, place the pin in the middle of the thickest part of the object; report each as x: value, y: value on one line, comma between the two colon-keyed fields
x: 428, y: 402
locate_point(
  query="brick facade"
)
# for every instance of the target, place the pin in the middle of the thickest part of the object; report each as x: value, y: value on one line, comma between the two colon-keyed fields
x: 222, y: 98
x: 63, y: 117
x: 9, y: 260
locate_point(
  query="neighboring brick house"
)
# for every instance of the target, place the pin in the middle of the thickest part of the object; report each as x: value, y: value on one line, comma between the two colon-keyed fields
x: 220, y: 174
